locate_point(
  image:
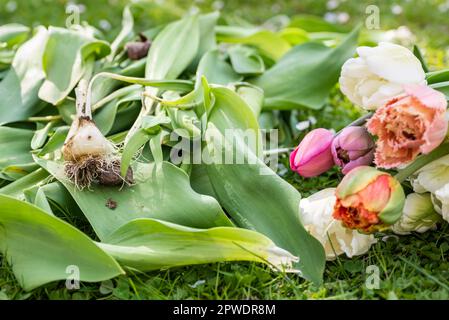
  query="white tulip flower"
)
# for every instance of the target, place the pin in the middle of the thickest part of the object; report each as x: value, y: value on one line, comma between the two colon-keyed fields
x: 418, y: 215
x: 379, y: 73
x: 432, y: 176
x: 442, y: 195
x: 316, y: 215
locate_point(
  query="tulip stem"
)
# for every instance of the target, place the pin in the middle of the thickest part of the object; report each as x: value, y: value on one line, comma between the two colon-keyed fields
x: 277, y: 151
x: 44, y: 118
x: 421, y: 161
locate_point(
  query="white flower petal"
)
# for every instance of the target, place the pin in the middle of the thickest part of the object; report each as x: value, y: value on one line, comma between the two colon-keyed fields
x: 434, y: 175
x: 395, y: 63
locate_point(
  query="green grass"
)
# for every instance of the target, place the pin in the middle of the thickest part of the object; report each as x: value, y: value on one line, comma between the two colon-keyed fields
x: 411, y: 267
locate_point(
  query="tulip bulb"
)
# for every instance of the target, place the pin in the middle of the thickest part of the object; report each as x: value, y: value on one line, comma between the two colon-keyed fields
x: 89, y: 156
x: 84, y: 140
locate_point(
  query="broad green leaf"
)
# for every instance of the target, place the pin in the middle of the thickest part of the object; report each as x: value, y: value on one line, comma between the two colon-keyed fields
x: 216, y: 70
x: 161, y: 192
x: 245, y: 61
x: 104, y: 118
x: 270, y: 44
x: 208, y: 41
x: 200, y: 180
x: 173, y: 49
x: 19, y: 89
x: 6, y: 58
x: 312, y: 23
x: 15, y: 150
x: 149, y: 244
x: 15, y: 189
x: 65, y: 61
x: 253, y: 195
x: 41, y: 248
x: 294, y: 36
x: 125, y: 118
x: 305, y: 76
x: 13, y: 34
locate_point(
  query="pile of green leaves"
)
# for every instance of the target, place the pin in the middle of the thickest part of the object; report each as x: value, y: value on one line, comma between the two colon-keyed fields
x: 199, y: 79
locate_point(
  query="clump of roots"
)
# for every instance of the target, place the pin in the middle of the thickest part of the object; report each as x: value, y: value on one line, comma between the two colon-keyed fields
x: 95, y: 169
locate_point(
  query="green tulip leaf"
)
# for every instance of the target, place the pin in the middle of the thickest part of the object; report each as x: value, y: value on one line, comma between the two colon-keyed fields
x: 15, y: 156
x: 245, y: 61
x: 66, y: 59
x: 162, y: 191
x: 19, y: 89
x: 305, y: 76
x: 253, y: 195
x: 267, y: 42
x: 42, y: 248
x: 149, y: 244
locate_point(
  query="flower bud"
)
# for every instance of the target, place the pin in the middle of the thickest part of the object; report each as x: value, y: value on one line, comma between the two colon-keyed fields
x: 368, y: 200
x: 313, y: 155
x: 353, y: 147
x: 418, y: 215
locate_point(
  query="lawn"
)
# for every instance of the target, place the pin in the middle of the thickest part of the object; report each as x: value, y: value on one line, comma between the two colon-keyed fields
x: 410, y: 267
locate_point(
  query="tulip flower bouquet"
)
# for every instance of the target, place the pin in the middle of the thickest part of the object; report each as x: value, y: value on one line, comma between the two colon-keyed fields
x: 394, y: 158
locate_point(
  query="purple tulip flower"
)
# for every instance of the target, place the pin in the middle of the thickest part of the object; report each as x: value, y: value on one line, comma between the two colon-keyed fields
x: 352, y: 148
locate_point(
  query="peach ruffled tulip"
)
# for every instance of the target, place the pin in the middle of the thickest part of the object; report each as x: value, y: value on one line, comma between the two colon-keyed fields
x: 408, y: 125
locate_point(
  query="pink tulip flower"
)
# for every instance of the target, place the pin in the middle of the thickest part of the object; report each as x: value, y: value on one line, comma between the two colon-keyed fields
x: 313, y: 155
